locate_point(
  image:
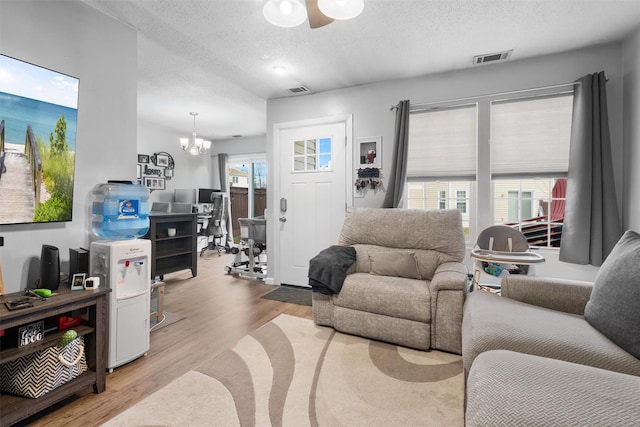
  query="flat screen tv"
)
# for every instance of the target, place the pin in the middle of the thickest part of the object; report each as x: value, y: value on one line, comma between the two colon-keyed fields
x: 38, y: 122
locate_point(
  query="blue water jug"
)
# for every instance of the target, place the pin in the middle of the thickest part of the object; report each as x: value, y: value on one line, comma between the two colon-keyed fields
x: 120, y: 211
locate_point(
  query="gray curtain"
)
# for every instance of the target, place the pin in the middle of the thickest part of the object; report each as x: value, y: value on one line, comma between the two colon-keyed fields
x: 222, y: 170
x: 398, y: 174
x: 591, y: 222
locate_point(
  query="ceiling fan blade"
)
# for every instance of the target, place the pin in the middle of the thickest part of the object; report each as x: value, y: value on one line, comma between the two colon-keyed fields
x: 316, y: 18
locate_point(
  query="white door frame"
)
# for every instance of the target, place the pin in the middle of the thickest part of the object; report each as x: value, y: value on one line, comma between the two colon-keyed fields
x: 273, y: 234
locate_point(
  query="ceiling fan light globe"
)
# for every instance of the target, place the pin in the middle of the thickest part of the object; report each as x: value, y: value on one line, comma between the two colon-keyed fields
x: 273, y: 12
x: 341, y: 9
x: 285, y: 7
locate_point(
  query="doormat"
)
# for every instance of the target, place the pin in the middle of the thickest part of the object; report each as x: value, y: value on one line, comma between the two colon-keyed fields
x: 291, y: 294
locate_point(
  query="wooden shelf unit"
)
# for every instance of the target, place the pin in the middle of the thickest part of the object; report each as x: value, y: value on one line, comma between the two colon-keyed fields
x: 173, y: 253
x: 95, y: 332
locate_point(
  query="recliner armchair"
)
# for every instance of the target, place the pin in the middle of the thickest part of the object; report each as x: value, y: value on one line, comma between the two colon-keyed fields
x: 407, y: 285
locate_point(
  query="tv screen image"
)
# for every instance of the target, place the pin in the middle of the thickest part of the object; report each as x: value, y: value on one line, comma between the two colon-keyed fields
x: 38, y: 123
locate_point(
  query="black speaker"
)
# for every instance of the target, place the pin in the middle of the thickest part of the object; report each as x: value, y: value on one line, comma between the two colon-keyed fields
x: 49, y: 267
x: 78, y: 261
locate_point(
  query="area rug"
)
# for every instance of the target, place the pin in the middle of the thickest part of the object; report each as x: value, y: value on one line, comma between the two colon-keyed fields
x: 290, y: 294
x: 169, y: 319
x: 293, y: 373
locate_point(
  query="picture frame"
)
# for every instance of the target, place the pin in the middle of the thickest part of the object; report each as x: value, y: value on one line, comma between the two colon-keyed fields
x: 369, y: 152
x: 139, y: 171
x: 154, y: 183
x: 143, y: 158
x: 162, y: 160
x: 77, y: 281
x: 168, y: 173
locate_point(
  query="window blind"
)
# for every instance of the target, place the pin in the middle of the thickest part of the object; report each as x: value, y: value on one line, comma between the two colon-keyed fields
x: 531, y: 137
x: 442, y: 144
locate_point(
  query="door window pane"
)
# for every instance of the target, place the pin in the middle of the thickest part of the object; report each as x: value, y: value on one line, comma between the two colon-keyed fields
x: 312, y: 154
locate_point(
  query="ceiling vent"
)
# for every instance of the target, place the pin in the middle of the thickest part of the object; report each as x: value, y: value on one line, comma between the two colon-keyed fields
x: 492, y: 57
x: 299, y: 90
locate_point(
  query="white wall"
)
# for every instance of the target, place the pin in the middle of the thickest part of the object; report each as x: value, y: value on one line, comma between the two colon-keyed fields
x: 370, y: 104
x: 74, y: 39
x: 631, y: 69
x: 189, y: 171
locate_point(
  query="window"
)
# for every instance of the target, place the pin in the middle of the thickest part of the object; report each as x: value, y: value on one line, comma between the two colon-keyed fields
x: 442, y: 200
x: 498, y: 161
x: 433, y: 195
x: 520, y: 205
x: 529, y: 154
x: 461, y: 201
x: 442, y: 158
x: 313, y: 154
x: 248, y: 174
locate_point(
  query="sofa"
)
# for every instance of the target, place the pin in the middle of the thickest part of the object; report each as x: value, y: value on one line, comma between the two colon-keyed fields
x: 553, y: 352
x: 407, y: 285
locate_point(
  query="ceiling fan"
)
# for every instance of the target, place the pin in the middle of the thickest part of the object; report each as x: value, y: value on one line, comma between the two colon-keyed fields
x: 291, y: 13
x: 317, y: 19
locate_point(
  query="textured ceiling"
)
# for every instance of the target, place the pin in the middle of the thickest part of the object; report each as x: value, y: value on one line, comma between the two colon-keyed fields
x: 216, y: 57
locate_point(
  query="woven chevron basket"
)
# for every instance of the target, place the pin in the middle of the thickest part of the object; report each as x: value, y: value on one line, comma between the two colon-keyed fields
x: 38, y: 373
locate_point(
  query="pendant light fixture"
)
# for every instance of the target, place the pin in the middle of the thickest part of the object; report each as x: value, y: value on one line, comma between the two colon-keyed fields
x: 341, y: 9
x: 285, y: 13
x: 194, y: 145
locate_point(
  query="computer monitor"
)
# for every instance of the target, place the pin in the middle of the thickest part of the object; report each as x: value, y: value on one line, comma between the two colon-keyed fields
x: 204, y: 194
x: 185, y: 195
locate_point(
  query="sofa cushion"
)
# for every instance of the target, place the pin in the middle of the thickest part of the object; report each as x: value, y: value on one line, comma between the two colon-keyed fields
x: 394, y: 263
x: 389, y: 296
x: 427, y: 260
x: 513, y: 389
x: 615, y: 300
x: 492, y: 322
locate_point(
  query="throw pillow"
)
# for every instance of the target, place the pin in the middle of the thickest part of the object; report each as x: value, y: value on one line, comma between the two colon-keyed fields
x: 615, y: 300
x: 394, y: 263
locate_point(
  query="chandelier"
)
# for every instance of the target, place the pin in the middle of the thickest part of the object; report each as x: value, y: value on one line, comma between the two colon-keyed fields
x: 194, y: 145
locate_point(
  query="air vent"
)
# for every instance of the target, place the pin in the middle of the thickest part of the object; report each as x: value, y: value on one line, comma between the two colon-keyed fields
x: 236, y: 136
x: 492, y: 57
x: 299, y: 89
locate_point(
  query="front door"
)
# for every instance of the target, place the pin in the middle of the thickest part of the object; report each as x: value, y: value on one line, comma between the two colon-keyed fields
x: 313, y: 195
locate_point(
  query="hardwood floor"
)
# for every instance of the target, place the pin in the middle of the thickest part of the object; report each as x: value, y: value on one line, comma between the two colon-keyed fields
x: 219, y: 308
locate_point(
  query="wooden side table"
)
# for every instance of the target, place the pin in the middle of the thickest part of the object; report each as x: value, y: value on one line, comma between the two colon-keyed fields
x: 95, y: 331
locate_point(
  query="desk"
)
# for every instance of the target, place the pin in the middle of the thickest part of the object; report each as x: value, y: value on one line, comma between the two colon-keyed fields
x: 500, y: 257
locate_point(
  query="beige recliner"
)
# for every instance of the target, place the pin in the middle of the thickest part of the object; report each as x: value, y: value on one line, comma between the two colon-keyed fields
x: 407, y: 285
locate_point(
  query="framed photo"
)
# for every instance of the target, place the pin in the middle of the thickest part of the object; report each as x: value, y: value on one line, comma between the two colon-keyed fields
x: 369, y: 152
x: 77, y: 282
x: 162, y: 160
x: 168, y: 173
x: 154, y: 183
x: 143, y: 158
x: 139, y: 173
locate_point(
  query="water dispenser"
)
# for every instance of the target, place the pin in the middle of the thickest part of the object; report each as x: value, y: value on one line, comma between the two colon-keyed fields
x: 124, y: 266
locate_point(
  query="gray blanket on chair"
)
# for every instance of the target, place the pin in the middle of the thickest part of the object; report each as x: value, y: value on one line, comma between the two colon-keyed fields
x: 328, y: 269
